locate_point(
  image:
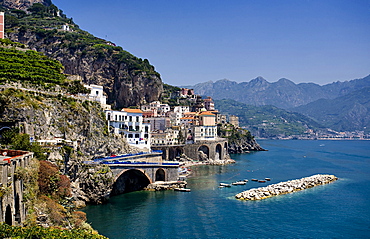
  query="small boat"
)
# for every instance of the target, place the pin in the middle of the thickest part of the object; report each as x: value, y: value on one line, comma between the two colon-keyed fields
x: 255, y: 180
x: 182, y: 189
x: 267, y: 179
x: 261, y: 181
x: 239, y: 183
x: 245, y: 180
x: 225, y: 184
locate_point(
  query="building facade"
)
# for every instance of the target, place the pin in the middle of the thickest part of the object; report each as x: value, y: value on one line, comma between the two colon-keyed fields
x: 2, y: 23
x: 129, y: 123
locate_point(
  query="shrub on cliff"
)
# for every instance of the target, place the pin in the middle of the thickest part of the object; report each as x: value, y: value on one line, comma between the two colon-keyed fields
x: 7, y: 231
x: 52, y: 183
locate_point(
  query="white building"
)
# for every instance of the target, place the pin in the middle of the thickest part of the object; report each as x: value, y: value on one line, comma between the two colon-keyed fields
x: 168, y: 137
x: 97, y: 94
x: 129, y: 122
x: 156, y: 107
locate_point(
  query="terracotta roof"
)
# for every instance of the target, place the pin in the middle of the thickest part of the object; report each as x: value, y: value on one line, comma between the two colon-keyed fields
x: 128, y: 110
x: 207, y: 113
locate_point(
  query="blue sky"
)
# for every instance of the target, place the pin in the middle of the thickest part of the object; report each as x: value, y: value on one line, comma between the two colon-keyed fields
x: 190, y: 41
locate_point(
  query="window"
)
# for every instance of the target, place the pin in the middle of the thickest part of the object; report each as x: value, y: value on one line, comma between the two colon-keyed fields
x: 130, y: 119
x: 137, y: 128
x: 115, y: 117
x: 130, y: 128
x: 137, y: 136
x: 97, y: 92
x: 137, y: 119
x: 130, y: 135
x: 146, y: 136
x: 146, y: 129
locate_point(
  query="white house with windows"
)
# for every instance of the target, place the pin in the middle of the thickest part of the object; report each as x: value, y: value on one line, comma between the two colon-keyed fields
x: 129, y: 122
x: 97, y: 94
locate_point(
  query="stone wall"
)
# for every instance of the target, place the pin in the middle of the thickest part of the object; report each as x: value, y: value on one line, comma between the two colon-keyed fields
x: 12, y: 209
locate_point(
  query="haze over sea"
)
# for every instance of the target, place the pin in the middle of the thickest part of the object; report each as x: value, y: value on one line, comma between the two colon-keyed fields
x: 337, y: 210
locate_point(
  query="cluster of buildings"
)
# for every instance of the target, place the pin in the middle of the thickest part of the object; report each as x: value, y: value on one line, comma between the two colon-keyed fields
x: 157, y: 124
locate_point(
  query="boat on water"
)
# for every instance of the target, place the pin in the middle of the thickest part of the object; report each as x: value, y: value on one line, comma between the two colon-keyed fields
x: 268, y: 179
x: 182, y: 189
x: 254, y: 179
x: 225, y: 184
x: 261, y: 181
x: 239, y: 183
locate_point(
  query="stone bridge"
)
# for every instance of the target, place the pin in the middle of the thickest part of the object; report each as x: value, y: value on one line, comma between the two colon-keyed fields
x: 12, y: 209
x: 212, y: 149
x: 133, y: 173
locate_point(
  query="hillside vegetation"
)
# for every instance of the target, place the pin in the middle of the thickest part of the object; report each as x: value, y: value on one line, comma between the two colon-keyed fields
x: 33, y: 69
x: 127, y: 80
x: 268, y: 121
x: 346, y: 113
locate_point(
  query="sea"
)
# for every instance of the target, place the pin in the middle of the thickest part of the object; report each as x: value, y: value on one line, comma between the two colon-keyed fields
x: 337, y: 210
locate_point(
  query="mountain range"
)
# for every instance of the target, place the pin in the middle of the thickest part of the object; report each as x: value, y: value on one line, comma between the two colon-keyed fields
x: 283, y: 93
x: 341, y: 106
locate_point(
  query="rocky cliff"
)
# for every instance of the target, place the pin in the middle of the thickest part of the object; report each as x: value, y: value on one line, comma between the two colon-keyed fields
x: 22, y: 4
x: 127, y: 80
x: 240, y: 140
x: 46, y: 116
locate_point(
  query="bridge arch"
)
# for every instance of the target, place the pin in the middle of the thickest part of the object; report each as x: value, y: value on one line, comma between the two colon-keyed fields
x: 160, y: 175
x: 203, y: 151
x: 130, y: 180
x: 218, y: 152
x: 4, y: 129
x: 17, y: 209
x: 175, y: 152
x: 8, y: 216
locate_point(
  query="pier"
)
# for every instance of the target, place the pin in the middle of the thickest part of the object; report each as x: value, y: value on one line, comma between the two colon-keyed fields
x: 285, y: 187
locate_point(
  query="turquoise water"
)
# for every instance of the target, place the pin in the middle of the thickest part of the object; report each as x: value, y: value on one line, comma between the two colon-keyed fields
x: 337, y: 210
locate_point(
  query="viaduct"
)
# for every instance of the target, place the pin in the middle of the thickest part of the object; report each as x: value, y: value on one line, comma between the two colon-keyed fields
x: 12, y: 208
x: 212, y: 150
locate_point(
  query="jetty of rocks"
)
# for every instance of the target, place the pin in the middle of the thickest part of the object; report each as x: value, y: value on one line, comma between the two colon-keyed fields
x: 285, y: 187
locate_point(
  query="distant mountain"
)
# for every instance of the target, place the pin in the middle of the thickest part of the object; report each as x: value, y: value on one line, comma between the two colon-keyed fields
x: 346, y: 113
x: 268, y: 121
x: 283, y: 93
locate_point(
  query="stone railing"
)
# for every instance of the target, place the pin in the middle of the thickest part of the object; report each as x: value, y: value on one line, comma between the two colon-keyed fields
x: 285, y: 187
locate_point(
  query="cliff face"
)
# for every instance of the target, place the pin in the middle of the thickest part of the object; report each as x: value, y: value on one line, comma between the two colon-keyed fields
x: 239, y: 140
x: 124, y: 85
x: 244, y: 146
x: 22, y: 4
x: 127, y: 80
x: 45, y: 116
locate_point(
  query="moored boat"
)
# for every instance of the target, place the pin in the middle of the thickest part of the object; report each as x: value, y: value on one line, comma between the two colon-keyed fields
x: 239, y: 183
x: 182, y: 189
x: 225, y: 184
x: 254, y: 179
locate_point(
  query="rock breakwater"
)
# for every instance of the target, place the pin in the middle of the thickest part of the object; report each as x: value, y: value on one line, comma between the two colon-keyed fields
x: 286, y: 187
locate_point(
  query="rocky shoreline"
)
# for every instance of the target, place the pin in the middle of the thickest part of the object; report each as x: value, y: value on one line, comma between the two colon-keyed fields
x: 285, y: 187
